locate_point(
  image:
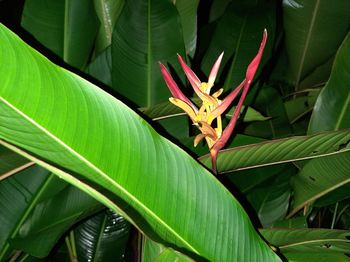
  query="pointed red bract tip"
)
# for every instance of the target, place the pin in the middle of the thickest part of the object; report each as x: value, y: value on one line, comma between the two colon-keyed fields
x: 191, y: 76
x: 174, y: 89
x: 214, y: 70
x: 253, y: 66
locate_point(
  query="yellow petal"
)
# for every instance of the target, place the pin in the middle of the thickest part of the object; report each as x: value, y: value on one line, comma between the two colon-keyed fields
x: 218, y: 93
x: 185, y: 107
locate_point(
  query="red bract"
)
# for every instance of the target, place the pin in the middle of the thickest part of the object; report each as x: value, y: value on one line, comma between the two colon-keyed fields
x: 212, y: 107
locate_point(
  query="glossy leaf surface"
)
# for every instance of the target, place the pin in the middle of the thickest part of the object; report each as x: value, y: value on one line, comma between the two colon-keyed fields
x: 107, y: 12
x: 102, y: 237
x: 73, y: 124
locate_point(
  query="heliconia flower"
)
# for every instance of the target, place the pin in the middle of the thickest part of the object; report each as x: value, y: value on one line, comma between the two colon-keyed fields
x: 212, y: 107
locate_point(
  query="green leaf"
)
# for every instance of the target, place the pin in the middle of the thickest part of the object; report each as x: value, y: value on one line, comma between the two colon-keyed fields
x: 296, y: 222
x: 102, y: 237
x: 334, y: 196
x: 300, y: 106
x: 238, y: 33
x: 141, y: 39
x: 332, y: 108
x: 11, y: 163
x: 217, y: 9
x: 302, y: 244
x: 58, y: 26
x: 270, y: 103
x: 107, y: 12
x: 27, y: 195
x: 271, y: 199
x: 318, y: 178
x: 310, y: 37
x: 247, y: 180
x: 101, y: 67
x: 107, y: 150
x: 64, y: 205
x: 331, y: 112
x: 281, y: 151
x: 18, y: 196
x: 188, y: 15
x: 154, y: 252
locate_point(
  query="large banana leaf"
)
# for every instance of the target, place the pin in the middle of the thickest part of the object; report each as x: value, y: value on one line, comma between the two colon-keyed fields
x: 142, y: 37
x: 310, y: 35
x: 310, y: 244
x: 58, y: 26
x: 281, y: 150
x: 97, y: 143
x: 331, y: 112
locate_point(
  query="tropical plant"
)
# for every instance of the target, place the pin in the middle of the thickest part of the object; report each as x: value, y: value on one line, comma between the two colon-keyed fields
x: 98, y: 165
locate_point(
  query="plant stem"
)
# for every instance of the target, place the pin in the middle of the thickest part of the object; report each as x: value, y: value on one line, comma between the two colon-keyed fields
x: 334, y: 215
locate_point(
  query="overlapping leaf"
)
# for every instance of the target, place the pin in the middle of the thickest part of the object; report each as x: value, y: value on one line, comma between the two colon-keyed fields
x: 310, y: 244
x: 102, y: 237
x: 141, y: 39
x: 332, y: 112
x: 282, y: 150
x: 162, y: 190
x: 310, y: 37
x: 238, y: 33
x: 58, y: 26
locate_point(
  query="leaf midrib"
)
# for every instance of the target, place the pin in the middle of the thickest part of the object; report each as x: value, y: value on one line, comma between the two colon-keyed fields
x: 312, y: 242
x: 307, y: 43
x: 100, y: 172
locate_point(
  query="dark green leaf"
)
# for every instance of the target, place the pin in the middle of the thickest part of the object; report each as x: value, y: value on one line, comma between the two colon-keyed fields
x: 188, y: 14
x: 270, y: 103
x: 140, y: 39
x: 271, y: 199
x: 309, y: 241
x: 238, y: 33
x: 331, y: 112
x: 58, y: 26
x: 310, y: 35
x: 107, y: 12
x: 102, y: 237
